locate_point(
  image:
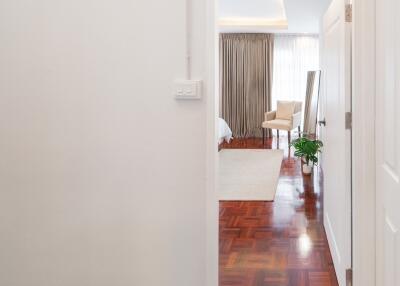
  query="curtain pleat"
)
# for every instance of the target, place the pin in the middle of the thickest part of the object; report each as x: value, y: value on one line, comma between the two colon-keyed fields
x: 246, y: 63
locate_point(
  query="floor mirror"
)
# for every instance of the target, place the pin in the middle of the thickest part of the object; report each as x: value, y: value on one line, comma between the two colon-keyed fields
x: 311, y: 102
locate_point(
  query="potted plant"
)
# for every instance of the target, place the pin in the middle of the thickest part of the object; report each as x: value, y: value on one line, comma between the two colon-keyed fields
x: 307, y: 149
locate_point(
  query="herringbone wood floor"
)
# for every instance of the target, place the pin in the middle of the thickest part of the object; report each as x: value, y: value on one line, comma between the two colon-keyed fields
x: 280, y: 243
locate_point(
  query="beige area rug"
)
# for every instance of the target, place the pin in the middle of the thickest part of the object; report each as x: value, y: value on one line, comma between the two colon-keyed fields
x: 248, y: 175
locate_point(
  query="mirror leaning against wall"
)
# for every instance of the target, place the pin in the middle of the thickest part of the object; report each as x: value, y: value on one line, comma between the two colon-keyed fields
x: 311, y: 102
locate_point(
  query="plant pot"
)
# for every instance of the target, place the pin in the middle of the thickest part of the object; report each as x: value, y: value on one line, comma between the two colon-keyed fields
x: 307, y: 169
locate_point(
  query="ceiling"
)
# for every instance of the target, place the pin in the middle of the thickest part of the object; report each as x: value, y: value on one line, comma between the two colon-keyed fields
x: 281, y: 16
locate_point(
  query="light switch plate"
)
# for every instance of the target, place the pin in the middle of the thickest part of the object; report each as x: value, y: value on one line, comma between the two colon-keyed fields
x: 188, y: 89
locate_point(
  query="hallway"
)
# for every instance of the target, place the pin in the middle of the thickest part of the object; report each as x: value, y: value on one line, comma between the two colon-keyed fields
x: 280, y: 243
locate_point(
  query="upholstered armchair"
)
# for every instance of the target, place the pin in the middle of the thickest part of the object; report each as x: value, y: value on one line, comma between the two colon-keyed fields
x: 286, y: 117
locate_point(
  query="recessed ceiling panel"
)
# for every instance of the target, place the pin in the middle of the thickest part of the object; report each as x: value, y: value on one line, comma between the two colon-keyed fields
x: 280, y: 16
x: 252, y: 13
x: 264, y: 9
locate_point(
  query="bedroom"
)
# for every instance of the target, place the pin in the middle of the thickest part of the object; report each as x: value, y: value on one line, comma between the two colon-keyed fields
x: 270, y: 223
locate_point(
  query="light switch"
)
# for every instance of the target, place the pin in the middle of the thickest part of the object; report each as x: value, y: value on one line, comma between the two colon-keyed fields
x: 187, y: 89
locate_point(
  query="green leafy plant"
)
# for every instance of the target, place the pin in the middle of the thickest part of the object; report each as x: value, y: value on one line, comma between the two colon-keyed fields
x: 308, y: 149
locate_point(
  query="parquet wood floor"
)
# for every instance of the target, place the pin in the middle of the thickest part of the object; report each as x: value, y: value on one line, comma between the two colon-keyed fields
x: 280, y: 243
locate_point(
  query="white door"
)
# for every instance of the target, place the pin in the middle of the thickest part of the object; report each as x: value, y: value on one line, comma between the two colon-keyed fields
x: 388, y: 142
x: 336, y: 71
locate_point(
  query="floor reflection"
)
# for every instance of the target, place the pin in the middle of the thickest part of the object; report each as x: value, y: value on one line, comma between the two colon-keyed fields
x: 304, y: 245
x: 281, y: 243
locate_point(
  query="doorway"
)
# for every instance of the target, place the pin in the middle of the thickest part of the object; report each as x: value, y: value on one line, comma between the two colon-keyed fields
x: 230, y: 207
x: 363, y: 137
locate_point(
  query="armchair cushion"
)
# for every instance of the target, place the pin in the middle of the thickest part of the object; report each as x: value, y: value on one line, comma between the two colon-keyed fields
x: 271, y: 115
x: 285, y: 110
x: 280, y: 124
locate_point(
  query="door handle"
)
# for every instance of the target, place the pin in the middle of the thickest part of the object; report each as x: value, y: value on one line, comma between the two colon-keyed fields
x: 322, y: 122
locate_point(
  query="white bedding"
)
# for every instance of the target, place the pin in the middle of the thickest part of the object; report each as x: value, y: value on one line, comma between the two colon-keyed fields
x: 224, y: 132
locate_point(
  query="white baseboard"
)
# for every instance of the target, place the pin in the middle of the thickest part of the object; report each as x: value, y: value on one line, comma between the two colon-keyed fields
x: 334, y: 248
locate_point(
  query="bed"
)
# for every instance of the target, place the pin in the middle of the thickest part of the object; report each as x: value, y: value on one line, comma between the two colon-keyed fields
x: 224, y: 132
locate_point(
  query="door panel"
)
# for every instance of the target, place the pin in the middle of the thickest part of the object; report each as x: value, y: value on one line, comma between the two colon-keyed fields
x: 387, y: 142
x: 336, y: 60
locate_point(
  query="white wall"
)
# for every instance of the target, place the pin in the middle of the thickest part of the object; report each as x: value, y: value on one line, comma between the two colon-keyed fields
x: 102, y: 172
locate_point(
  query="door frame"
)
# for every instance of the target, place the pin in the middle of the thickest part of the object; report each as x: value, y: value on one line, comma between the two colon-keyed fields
x: 364, y: 163
x: 363, y: 138
x: 212, y: 106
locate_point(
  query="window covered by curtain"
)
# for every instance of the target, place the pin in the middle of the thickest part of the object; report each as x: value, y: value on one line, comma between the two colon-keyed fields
x: 246, y: 62
x: 294, y: 56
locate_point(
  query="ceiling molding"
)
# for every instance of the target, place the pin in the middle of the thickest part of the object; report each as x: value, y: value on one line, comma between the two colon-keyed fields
x: 253, y: 22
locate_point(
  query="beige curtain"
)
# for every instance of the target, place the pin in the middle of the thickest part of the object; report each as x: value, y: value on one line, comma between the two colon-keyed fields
x: 246, y: 62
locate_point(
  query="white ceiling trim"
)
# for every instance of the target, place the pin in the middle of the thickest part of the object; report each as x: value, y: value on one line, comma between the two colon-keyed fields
x: 251, y: 22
